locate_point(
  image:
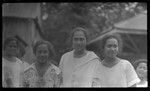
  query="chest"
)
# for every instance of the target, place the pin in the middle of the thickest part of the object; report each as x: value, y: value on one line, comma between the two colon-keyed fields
x: 12, y: 69
x: 46, y: 80
x: 112, y: 76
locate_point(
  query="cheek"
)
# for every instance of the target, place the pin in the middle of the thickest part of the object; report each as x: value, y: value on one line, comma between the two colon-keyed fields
x: 107, y: 50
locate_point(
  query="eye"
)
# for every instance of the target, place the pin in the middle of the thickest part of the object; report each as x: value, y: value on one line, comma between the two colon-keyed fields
x: 145, y: 68
x: 108, y: 46
x: 75, y: 39
x: 81, y: 39
x: 115, y: 46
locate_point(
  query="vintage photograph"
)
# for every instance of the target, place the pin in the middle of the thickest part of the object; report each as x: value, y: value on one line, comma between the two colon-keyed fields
x: 63, y: 45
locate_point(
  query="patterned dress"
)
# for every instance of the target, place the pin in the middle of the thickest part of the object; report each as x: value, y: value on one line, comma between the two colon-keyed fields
x: 49, y: 79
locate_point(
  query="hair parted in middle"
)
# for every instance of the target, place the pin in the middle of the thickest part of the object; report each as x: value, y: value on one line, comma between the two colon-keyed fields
x: 49, y: 45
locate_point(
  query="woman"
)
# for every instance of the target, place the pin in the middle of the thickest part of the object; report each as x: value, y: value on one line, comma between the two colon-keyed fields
x: 141, y: 69
x: 114, y: 71
x: 12, y: 66
x: 42, y: 73
x: 79, y: 64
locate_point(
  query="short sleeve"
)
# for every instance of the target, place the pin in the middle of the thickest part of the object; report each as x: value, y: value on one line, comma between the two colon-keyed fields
x: 131, y: 75
x: 96, y: 77
x: 61, y: 62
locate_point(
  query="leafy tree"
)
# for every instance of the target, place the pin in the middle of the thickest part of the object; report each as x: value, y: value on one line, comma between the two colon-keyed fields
x: 60, y: 18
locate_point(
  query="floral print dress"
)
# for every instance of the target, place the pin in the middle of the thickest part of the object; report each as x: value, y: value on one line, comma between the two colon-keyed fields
x: 49, y: 79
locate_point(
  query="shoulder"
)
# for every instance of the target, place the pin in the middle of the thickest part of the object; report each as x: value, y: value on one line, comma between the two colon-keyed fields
x: 125, y: 63
x: 67, y: 53
x: 18, y: 60
x: 29, y: 69
x: 93, y: 56
x: 65, y: 56
x: 29, y: 72
x: 56, y: 69
x: 25, y: 63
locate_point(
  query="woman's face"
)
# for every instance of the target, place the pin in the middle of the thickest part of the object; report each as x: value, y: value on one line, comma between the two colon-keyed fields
x: 79, y: 40
x: 111, y: 47
x: 11, y: 48
x: 42, y: 53
x: 142, y: 70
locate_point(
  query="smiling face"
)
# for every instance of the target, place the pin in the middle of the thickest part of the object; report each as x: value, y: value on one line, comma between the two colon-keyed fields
x: 111, y: 48
x: 142, y: 70
x: 11, y: 48
x: 79, y: 40
x: 42, y: 53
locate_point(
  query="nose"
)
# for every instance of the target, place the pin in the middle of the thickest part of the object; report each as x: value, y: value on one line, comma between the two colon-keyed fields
x: 42, y: 54
x: 112, y: 48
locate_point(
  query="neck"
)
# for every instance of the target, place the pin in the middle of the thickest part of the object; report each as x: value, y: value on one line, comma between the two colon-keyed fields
x: 42, y: 64
x: 143, y: 79
x: 110, y: 60
x: 9, y: 58
x: 79, y: 52
x: 7, y: 55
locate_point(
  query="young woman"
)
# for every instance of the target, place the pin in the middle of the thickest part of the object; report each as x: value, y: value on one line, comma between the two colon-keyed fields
x: 79, y: 64
x: 42, y: 73
x: 11, y: 65
x: 114, y: 71
x: 141, y: 69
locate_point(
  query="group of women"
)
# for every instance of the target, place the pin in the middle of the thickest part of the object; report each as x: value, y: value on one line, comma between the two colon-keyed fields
x: 77, y: 68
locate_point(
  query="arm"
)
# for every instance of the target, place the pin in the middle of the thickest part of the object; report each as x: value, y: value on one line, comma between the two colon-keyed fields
x: 96, y: 82
x: 131, y: 75
x: 96, y: 79
x: 57, y: 80
x: 133, y: 85
x: 60, y: 76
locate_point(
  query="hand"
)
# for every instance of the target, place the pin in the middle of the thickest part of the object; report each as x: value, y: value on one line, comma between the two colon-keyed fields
x: 26, y: 84
x: 9, y: 82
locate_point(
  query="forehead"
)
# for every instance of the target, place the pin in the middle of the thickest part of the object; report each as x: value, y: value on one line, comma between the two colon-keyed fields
x: 42, y: 47
x: 12, y: 42
x: 142, y: 64
x: 111, y: 41
x: 79, y: 34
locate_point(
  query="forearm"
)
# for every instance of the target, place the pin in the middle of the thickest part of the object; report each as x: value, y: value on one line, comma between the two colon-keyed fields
x: 134, y: 85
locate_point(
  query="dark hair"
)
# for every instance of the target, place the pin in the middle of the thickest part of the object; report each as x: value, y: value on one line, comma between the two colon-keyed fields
x: 49, y: 45
x: 8, y: 40
x: 109, y: 36
x: 137, y: 62
x: 79, y: 29
x: 75, y: 30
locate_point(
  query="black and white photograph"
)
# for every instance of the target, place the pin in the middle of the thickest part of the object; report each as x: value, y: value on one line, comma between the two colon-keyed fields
x: 74, y: 45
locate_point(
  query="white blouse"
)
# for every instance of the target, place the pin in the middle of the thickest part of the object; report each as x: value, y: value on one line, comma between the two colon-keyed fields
x: 78, y: 72
x: 12, y: 70
x: 120, y: 75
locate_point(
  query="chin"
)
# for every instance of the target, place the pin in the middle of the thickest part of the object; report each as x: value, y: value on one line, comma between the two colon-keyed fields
x: 42, y: 62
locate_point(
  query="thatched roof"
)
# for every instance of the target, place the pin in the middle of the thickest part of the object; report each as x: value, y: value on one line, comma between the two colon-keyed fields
x: 137, y: 22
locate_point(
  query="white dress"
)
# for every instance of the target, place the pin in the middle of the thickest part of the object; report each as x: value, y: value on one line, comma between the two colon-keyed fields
x: 120, y: 75
x: 145, y: 84
x: 78, y: 72
x: 12, y: 70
